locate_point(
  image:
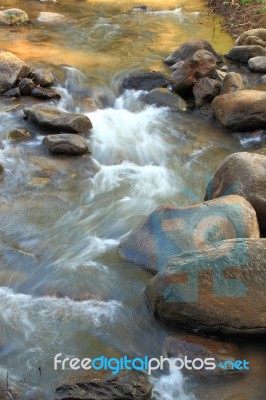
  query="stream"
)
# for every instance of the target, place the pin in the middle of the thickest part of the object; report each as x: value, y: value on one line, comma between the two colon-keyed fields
x: 63, y: 287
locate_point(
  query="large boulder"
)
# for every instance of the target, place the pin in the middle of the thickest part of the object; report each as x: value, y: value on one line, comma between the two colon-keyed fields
x: 188, y: 49
x: 145, y: 81
x: 126, y: 385
x: 241, y: 110
x: 164, y: 98
x: 243, y: 174
x: 43, y: 77
x: 13, y: 16
x: 170, y: 231
x: 205, y: 89
x: 200, y: 65
x: 11, y: 70
x: 67, y: 143
x: 244, y: 53
x: 257, y: 64
x: 252, y: 37
x: 232, y: 82
x: 59, y: 121
x: 217, y: 290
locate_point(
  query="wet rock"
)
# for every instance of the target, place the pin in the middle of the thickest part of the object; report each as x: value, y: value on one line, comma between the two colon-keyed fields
x: 45, y: 93
x: 59, y: 121
x: 243, y: 174
x: 200, y: 65
x: 15, y: 92
x: 257, y: 64
x: 1, y: 172
x: 11, y: 70
x: 19, y: 134
x: 25, y: 86
x: 252, y: 37
x: 205, y: 89
x: 188, y: 49
x: 129, y: 385
x: 43, y: 77
x: 65, y: 143
x: 194, y: 347
x: 140, y: 8
x: 164, y: 98
x: 224, y: 68
x: 52, y: 18
x: 244, y: 53
x: 170, y: 231
x: 145, y: 81
x: 218, y: 290
x: 232, y: 82
x: 13, y: 16
x: 241, y: 110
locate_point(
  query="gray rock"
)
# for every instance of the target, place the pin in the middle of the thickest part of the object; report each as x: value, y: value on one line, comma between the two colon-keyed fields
x: 45, y: 93
x: 164, y: 98
x: 66, y: 143
x: 2, y: 171
x: 43, y: 77
x: 13, y: 16
x: 15, y: 92
x: 11, y: 70
x: 219, y: 290
x: 244, y: 53
x: 241, y: 110
x: 169, y: 231
x: 145, y: 81
x: 25, y: 86
x: 188, y: 49
x: 205, y: 89
x: 232, y: 82
x: 243, y: 174
x: 59, y: 121
x: 257, y: 64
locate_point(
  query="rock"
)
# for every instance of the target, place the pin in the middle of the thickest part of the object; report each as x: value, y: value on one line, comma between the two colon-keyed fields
x: 52, y: 18
x: 257, y: 64
x: 243, y: 174
x: 170, y: 231
x: 224, y: 68
x: 66, y: 143
x: 241, y: 110
x: 263, y: 79
x: 11, y: 70
x: 19, y: 134
x: 13, y: 16
x: 1, y: 172
x: 43, y: 77
x: 188, y: 49
x: 126, y: 385
x: 200, y: 65
x: 258, y: 34
x: 244, y: 53
x: 201, y: 347
x: 205, y: 89
x: 232, y: 82
x: 45, y: 93
x: 15, y: 92
x: 164, y: 98
x: 217, y: 290
x: 25, y: 86
x: 59, y: 121
x: 140, y: 8
x: 145, y: 81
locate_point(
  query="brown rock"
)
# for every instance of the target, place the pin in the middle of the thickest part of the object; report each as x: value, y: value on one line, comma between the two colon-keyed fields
x: 19, y: 134
x: 25, y: 86
x: 244, y: 53
x: 259, y: 33
x: 66, y: 143
x: 11, y: 70
x: 45, y: 93
x: 205, y: 89
x: 164, y: 98
x: 232, y: 82
x: 43, y: 77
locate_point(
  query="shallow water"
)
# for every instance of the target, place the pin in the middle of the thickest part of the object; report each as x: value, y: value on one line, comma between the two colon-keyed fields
x: 62, y: 219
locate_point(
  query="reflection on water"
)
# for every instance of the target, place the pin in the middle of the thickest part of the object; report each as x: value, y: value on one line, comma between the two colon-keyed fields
x: 63, y: 287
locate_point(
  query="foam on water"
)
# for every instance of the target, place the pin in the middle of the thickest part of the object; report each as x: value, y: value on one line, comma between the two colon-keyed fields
x: 171, y: 387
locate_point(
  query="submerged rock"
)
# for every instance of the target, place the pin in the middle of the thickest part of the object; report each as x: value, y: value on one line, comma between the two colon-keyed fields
x: 244, y: 53
x: 205, y: 89
x: 243, y: 174
x: 45, y: 93
x: 257, y: 64
x: 170, y: 231
x: 13, y: 16
x: 241, y: 110
x: 66, y: 143
x: 164, y: 98
x: 52, y: 18
x: 43, y: 77
x: 218, y: 290
x: 188, y: 49
x: 11, y: 70
x: 232, y: 82
x: 145, y: 81
x: 59, y: 121
x: 19, y: 134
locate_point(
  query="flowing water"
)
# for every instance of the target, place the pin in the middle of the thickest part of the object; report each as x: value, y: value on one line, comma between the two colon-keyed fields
x: 64, y: 288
